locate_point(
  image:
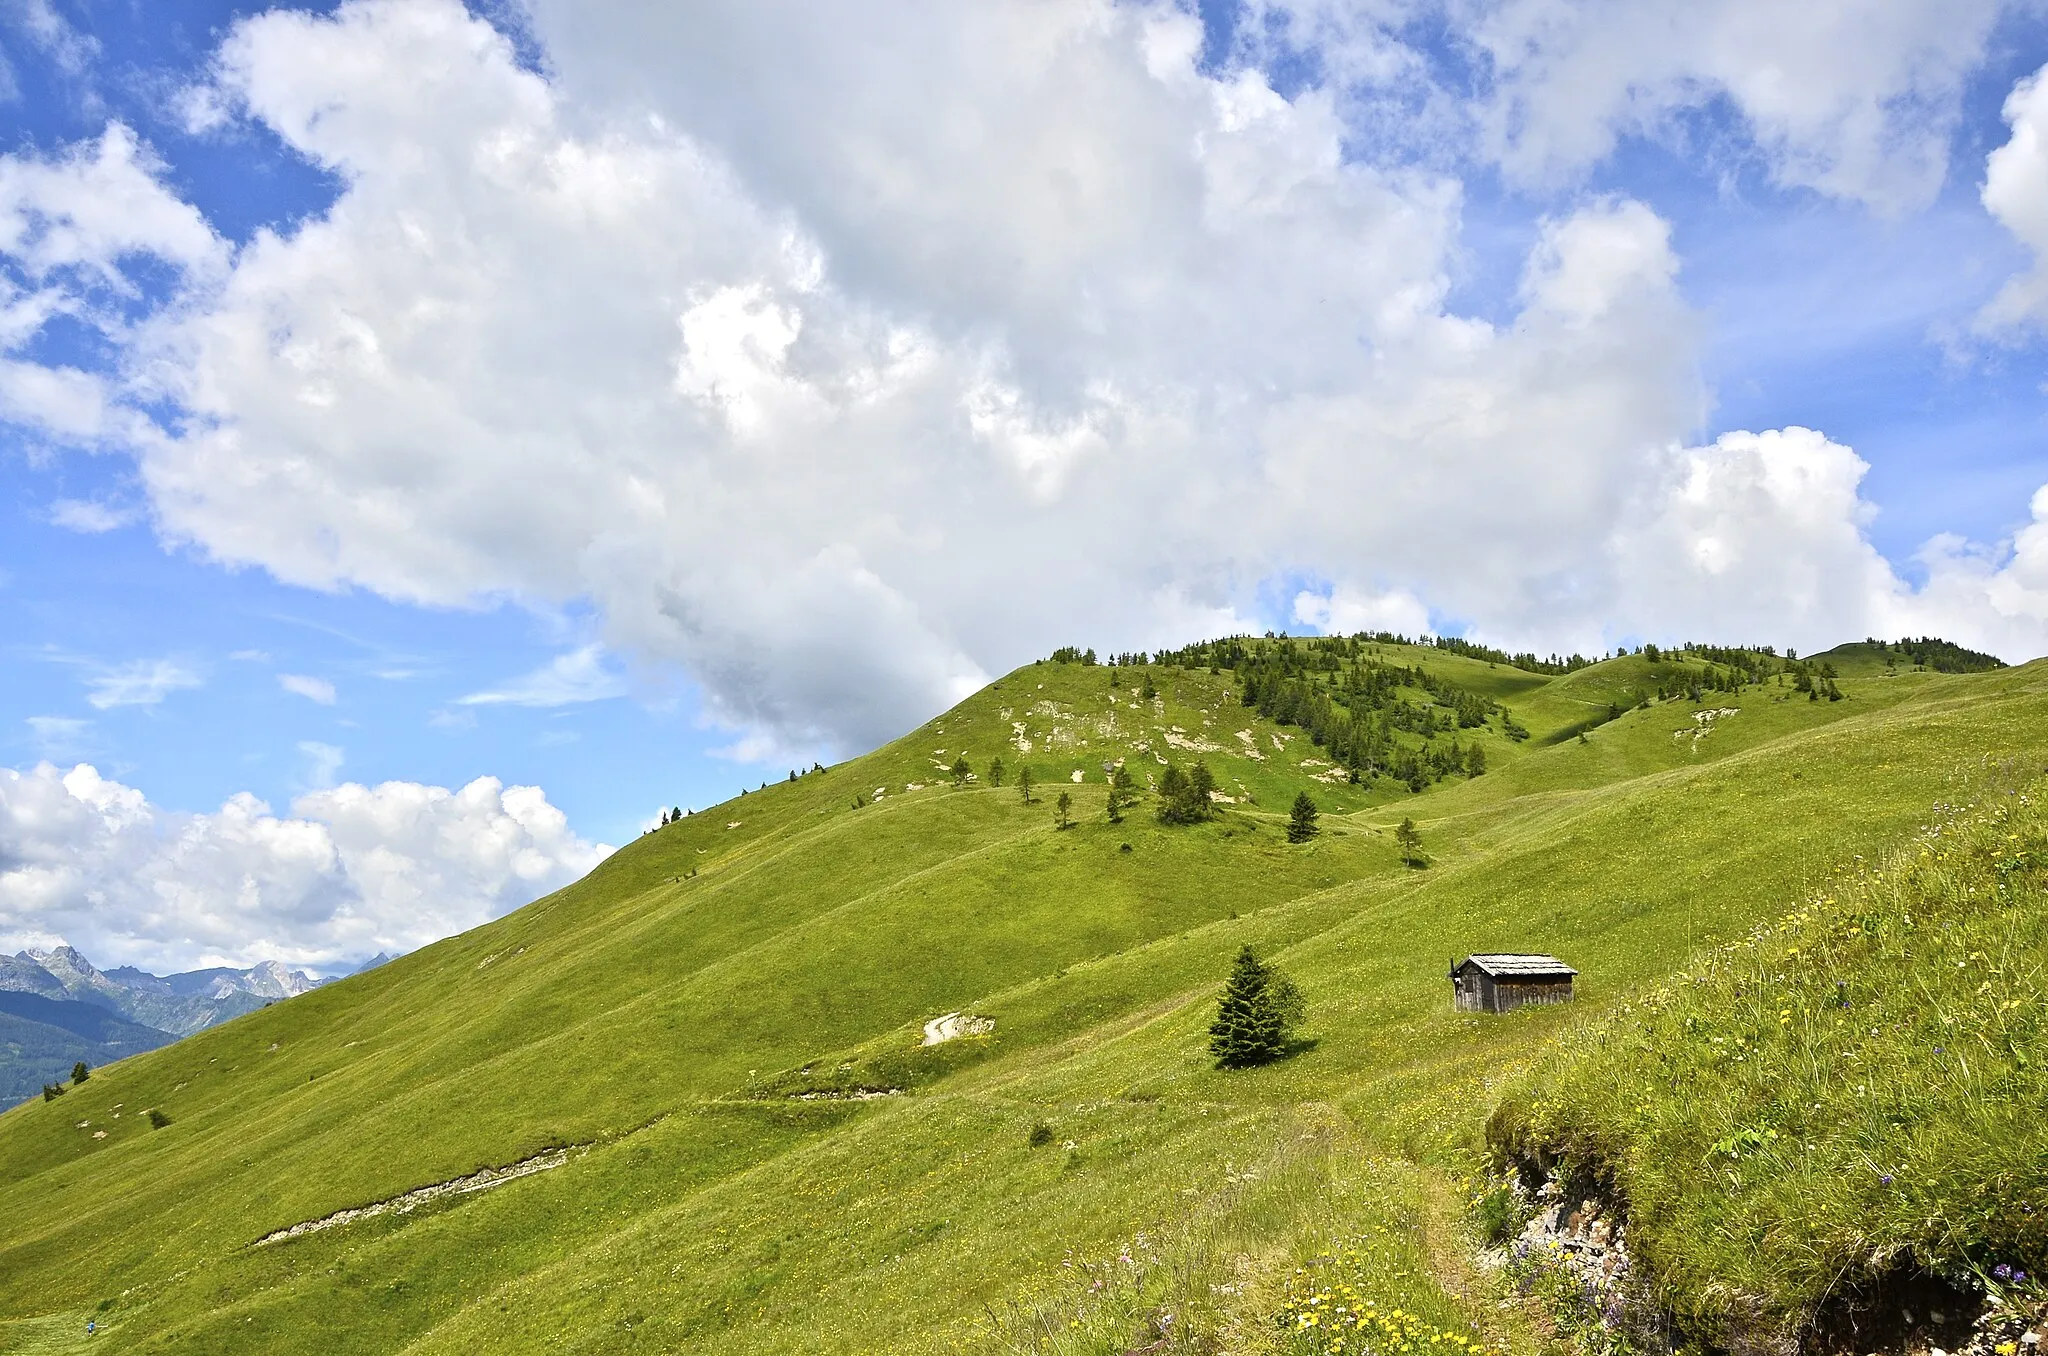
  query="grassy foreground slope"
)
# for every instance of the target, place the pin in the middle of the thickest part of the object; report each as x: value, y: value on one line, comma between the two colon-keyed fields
x: 1862, y: 1083
x: 694, y: 1020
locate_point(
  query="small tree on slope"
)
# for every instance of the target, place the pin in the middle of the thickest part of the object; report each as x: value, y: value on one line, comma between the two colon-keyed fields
x: 1301, y: 824
x: 1409, y: 839
x: 1248, y: 1028
x: 1123, y: 793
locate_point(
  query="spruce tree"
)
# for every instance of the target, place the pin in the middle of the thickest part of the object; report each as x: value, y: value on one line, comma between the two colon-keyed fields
x: 995, y: 772
x: 1062, y: 814
x: 1173, y: 789
x: 1024, y: 783
x: 960, y: 770
x: 1301, y: 824
x: 1201, y: 782
x: 79, y: 1073
x: 1248, y: 1029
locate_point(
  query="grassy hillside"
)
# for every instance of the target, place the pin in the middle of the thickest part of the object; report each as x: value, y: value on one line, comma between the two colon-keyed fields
x: 721, y: 1026
x: 1862, y: 1081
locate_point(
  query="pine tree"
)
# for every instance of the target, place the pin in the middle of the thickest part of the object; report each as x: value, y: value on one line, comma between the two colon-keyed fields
x: 1248, y: 1028
x: 995, y: 772
x: 1184, y: 796
x: 1024, y: 783
x: 1123, y: 793
x: 1062, y: 811
x: 1475, y: 761
x: 79, y: 1073
x: 961, y: 771
x: 1301, y: 825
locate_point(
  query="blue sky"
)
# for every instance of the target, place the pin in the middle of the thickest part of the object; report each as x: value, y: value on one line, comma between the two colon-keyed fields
x: 860, y: 380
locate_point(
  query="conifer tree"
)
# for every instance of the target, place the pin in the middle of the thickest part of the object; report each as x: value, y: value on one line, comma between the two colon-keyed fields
x: 1475, y: 761
x: 1248, y: 1028
x: 1062, y: 815
x: 1123, y: 793
x: 1184, y: 796
x: 995, y: 771
x: 961, y: 771
x: 1024, y: 783
x: 79, y: 1073
x: 1301, y: 824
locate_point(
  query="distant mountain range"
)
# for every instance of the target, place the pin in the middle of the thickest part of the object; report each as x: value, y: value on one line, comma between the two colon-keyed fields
x: 179, y: 1004
x: 57, y: 1008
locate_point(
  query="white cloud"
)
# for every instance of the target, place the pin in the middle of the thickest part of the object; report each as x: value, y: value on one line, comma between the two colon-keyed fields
x: 312, y: 689
x: 145, y: 682
x: 60, y: 401
x: 1852, y: 98
x: 71, y: 50
x: 1760, y: 535
x: 96, y: 205
x: 58, y: 736
x: 579, y: 676
x: 352, y: 871
x: 323, y: 762
x: 2016, y: 193
x: 843, y: 381
x: 1349, y: 611
x: 88, y: 516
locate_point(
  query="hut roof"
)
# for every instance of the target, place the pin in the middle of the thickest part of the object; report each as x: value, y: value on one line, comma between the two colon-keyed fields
x: 1509, y: 966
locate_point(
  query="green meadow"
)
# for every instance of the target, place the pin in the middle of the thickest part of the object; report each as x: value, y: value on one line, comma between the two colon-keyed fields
x: 718, y: 1035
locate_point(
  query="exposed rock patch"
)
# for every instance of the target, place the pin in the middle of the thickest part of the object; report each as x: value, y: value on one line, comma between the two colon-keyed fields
x: 954, y: 1025
x: 482, y: 1180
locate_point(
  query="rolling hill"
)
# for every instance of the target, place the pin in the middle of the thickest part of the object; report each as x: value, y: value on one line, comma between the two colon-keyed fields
x: 686, y: 1104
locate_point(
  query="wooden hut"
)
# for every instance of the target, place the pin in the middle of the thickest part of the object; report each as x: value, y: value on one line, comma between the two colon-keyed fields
x: 1502, y: 983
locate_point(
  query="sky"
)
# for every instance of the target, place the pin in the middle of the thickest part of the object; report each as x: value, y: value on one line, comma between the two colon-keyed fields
x: 433, y: 439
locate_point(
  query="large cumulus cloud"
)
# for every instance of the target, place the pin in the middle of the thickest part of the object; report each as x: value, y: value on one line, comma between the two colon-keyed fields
x: 350, y: 872
x: 843, y: 358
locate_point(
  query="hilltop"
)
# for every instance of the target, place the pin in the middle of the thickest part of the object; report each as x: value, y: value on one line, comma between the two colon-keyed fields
x: 689, y: 1103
